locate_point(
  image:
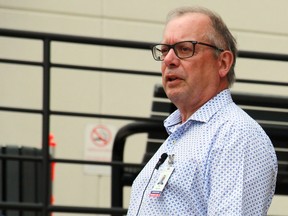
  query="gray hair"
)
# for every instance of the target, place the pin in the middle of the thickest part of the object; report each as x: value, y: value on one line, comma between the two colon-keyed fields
x: 219, y: 34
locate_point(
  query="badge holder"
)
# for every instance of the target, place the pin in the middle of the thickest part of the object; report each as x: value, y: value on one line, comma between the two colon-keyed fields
x: 163, y: 178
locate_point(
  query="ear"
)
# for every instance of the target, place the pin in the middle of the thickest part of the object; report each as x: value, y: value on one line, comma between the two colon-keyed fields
x: 225, y: 62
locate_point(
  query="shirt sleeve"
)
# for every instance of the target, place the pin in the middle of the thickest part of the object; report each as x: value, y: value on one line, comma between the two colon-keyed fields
x: 241, y: 173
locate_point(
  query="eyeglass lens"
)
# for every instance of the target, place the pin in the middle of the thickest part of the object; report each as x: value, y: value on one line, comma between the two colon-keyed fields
x: 182, y: 50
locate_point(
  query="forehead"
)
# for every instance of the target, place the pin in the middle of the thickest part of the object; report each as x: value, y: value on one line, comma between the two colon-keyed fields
x: 190, y: 26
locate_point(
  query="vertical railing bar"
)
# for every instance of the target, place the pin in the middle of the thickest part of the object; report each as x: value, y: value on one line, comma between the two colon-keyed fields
x: 46, y: 126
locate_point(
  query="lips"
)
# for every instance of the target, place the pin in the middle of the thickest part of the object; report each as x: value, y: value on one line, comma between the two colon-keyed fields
x: 171, y: 78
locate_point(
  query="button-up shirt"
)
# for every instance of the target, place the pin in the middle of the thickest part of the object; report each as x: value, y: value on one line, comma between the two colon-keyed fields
x: 224, y: 164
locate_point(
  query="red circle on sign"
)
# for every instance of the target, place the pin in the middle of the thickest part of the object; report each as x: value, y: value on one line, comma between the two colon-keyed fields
x: 101, y: 136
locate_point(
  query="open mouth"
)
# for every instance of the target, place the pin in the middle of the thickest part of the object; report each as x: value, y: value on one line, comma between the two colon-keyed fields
x: 172, y: 79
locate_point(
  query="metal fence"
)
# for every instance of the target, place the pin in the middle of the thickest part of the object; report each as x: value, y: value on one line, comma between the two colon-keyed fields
x: 46, y: 208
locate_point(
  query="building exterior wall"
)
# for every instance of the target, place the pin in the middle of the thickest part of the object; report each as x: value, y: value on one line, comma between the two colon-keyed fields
x: 259, y: 25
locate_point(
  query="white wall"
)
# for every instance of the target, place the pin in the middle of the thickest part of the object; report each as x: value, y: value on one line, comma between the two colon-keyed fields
x: 259, y: 25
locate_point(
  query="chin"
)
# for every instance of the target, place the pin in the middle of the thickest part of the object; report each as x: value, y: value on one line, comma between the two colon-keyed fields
x: 172, y: 95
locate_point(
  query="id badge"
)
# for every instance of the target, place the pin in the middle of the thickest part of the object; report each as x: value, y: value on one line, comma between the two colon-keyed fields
x: 162, y: 181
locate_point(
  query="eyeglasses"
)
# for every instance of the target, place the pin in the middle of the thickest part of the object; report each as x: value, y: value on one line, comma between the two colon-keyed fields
x: 183, y: 49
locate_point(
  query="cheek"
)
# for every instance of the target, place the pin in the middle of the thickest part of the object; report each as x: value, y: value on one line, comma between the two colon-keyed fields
x: 163, y: 67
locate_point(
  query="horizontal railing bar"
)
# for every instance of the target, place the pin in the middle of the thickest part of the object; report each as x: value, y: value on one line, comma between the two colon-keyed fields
x: 75, y: 39
x: 22, y: 62
x: 103, y: 69
x: 57, y: 208
x: 21, y: 157
x: 78, y: 114
x: 79, y: 67
x: 122, y: 43
x: 88, y: 210
x: 262, y: 55
x: 72, y: 161
x: 117, y: 117
x: 262, y: 82
x: 21, y: 206
x: 24, y: 110
x: 123, y: 71
x: 88, y: 162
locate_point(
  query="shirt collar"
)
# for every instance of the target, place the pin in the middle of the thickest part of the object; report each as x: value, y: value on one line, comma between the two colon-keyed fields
x: 203, y: 114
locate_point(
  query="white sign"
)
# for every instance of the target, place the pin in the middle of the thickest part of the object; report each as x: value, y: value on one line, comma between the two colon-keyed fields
x: 98, y: 147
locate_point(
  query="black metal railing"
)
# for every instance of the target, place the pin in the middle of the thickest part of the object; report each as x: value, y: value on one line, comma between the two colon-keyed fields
x: 46, y: 208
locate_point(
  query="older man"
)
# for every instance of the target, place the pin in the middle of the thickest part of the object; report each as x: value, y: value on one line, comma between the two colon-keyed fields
x: 220, y: 161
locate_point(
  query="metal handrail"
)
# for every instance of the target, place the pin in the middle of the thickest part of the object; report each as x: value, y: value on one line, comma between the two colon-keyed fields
x: 37, y: 207
x: 122, y: 43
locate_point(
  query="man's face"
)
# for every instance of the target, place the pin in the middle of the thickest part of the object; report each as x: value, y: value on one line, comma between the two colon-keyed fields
x: 192, y: 79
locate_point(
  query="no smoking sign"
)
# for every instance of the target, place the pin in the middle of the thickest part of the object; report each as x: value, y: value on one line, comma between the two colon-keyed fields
x: 101, y: 135
x: 98, y: 147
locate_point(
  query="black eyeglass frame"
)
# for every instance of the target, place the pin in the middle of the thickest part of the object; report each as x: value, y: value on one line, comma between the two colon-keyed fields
x: 172, y: 46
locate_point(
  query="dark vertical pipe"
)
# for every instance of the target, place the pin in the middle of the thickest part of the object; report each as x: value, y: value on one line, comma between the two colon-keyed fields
x: 45, y: 127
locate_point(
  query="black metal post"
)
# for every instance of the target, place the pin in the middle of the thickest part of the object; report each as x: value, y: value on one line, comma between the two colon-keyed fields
x: 45, y: 127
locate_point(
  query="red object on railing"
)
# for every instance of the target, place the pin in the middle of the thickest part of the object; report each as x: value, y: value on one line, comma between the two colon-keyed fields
x: 52, y: 146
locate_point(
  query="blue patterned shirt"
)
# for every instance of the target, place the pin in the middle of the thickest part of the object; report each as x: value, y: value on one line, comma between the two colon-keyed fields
x: 224, y: 164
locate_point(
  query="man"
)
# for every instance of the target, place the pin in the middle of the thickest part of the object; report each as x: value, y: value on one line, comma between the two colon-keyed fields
x: 220, y: 162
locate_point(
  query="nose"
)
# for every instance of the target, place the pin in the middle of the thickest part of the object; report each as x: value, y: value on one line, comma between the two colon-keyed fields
x: 171, y: 58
